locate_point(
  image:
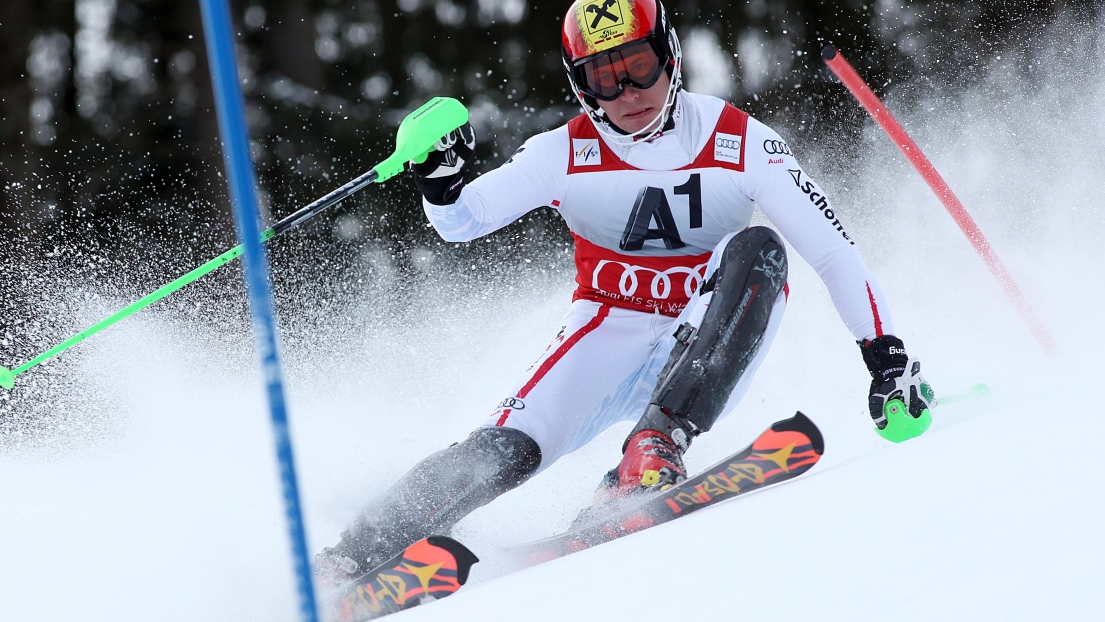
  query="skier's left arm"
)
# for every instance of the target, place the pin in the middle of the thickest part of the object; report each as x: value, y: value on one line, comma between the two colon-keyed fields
x: 802, y: 212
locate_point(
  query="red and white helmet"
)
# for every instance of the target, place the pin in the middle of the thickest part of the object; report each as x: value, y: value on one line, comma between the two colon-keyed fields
x: 608, y: 44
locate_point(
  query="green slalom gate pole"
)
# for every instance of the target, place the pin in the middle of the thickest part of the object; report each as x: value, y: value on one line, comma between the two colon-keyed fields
x: 413, y: 141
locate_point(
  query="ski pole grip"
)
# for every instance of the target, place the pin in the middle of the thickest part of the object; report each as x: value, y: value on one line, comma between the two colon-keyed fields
x: 419, y: 131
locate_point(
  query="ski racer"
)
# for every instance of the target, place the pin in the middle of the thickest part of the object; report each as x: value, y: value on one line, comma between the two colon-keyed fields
x: 677, y: 298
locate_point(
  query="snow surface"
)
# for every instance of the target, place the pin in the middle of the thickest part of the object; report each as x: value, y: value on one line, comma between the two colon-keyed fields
x: 163, y: 502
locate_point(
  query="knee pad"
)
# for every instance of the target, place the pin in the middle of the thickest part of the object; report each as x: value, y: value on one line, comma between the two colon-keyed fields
x: 708, y: 361
x: 508, y: 456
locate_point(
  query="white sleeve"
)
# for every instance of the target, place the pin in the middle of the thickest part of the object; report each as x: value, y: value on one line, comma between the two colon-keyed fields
x: 803, y: 214
x: 530, y: 179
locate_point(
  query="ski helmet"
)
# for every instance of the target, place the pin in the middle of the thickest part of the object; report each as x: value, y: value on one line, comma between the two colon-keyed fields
x: 609, y: 44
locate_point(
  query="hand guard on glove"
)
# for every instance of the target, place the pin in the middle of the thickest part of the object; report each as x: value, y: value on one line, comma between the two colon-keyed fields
x: 896, y: 378
x: 440, y: 177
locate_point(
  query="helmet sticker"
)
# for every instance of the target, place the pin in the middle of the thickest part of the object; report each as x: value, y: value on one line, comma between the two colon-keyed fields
x: 604, y: 24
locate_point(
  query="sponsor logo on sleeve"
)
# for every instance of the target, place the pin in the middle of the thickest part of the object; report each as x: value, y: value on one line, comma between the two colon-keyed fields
x: 776, y: 147
x: 585, y: 152
x: 727, y: 148
x: 818, y: 198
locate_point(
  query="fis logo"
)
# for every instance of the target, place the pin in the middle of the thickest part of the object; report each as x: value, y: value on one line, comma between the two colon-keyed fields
x: 727, y: 148
x: 585, y: 152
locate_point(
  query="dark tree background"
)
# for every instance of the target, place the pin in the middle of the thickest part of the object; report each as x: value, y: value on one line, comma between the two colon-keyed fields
x: 108, y: 139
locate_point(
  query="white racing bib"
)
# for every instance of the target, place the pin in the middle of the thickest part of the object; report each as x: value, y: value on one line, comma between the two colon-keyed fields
x: 643, y: 238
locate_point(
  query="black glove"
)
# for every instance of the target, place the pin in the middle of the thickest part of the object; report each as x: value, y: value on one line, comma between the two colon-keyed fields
x: 441, y: 177
x: 895, y: 376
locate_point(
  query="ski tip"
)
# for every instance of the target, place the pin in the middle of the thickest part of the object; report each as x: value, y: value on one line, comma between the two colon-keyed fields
x: 828, y: 52
x: 465, y: 558
x: 801, y: 423
x: 7, y: 378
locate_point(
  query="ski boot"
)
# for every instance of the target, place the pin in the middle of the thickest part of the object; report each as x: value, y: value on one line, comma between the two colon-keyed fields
x: 651, y: 462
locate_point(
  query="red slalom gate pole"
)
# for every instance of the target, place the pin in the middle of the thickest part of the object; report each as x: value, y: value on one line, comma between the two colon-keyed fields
x: 900, y: 137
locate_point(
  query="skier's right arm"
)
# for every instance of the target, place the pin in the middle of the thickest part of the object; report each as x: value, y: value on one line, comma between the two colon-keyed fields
x: 528, y: 180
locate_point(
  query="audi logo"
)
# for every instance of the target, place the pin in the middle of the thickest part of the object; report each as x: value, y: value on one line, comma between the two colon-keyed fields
x: 661, y: 284
x: 776, y: 147
x: 511, y: 402
x: 727, y: 143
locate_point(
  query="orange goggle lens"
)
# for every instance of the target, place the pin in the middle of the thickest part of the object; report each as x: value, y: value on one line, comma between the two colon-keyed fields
x: 605, y: 76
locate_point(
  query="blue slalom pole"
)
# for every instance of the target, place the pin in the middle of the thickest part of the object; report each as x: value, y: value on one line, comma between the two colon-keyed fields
x: 235, y: 141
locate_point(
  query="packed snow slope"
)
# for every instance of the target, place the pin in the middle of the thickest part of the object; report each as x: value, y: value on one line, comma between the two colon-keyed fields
x: 153, y: 494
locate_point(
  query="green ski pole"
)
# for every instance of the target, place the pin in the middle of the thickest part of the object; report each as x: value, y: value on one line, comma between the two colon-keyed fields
x: 901, y: 426
x: 977, y: 393
x: 413, y: 141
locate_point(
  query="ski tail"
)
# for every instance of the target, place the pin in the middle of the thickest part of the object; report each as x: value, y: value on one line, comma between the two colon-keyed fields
x: 802, y: 424
x: 427, y: 570
x: 462, y: 558
x: 794, y: 445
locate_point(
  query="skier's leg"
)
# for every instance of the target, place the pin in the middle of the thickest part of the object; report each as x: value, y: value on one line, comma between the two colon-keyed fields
x: 717, y: 350
x: 587, y: 379
x: 593, y: 375
x: 433, y: 496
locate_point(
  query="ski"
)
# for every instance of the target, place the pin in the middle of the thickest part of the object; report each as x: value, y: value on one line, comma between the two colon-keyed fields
x: 425, y: 571
x: 784, y: 451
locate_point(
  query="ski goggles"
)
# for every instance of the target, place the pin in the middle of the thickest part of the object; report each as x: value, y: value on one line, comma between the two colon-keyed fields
x: 605, y: 76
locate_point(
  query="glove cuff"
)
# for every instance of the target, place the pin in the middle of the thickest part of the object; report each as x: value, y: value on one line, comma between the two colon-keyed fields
x: 884, y: 356
x: 440, y: 190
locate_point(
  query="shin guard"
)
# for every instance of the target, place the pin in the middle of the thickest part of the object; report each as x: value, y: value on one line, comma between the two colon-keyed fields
x: 707, y: 361
x: 439, y: 491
